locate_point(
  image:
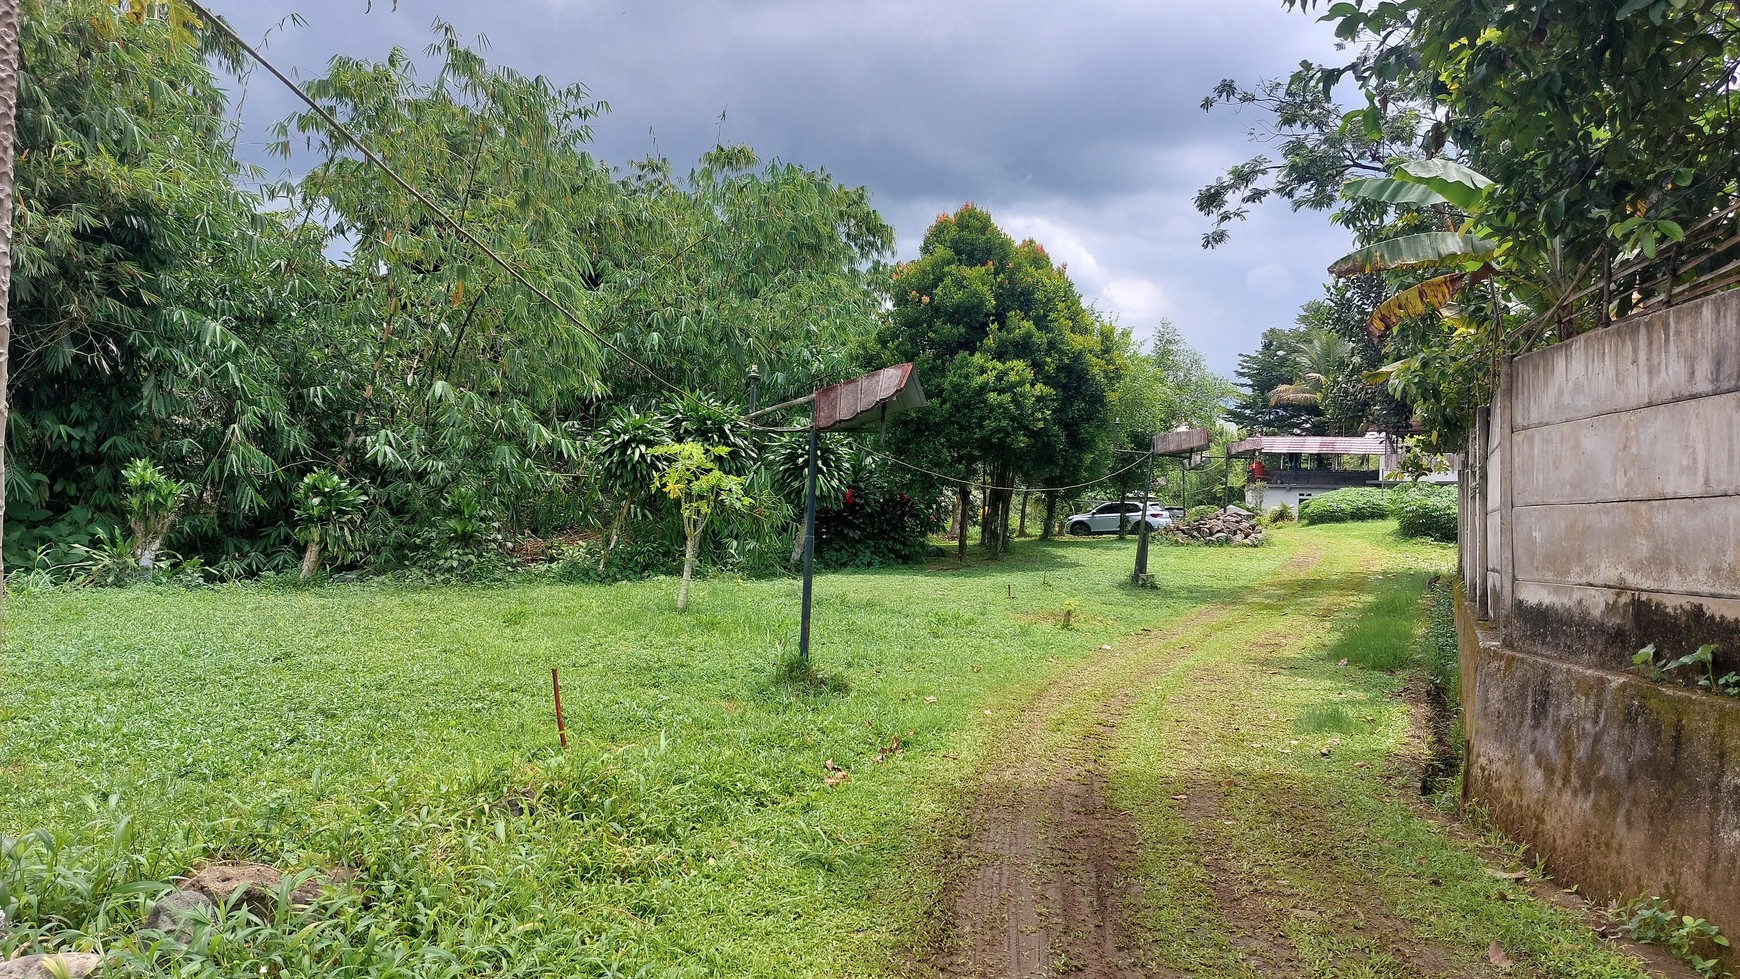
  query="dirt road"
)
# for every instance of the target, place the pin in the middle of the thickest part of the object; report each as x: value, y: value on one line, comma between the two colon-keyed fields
x: 1221, y: 798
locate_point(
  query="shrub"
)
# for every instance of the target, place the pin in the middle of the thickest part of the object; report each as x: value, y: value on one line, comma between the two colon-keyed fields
x: 866, y: 532
x: 1279, y: 515
x: 1346, y: 505
x: 1429, y: 515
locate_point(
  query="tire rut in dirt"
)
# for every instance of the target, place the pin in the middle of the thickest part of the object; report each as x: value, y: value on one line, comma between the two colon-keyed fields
x: 1048, y: 866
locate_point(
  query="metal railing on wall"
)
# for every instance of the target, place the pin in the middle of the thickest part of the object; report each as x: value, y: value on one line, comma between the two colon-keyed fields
x: 1705, y: 261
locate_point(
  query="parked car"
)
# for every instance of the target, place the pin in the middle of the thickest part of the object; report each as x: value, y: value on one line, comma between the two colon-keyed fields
x: 1108, y: 517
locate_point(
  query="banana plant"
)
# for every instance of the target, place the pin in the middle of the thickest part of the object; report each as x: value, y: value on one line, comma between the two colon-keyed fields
x: 1458, y: 195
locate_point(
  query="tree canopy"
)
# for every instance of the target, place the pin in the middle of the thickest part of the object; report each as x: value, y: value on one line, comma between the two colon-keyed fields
x: 1020, y: 373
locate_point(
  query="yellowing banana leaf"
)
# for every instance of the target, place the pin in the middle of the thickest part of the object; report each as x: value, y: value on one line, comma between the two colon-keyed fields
x: 1415, y: 300
x: 1412, y: 251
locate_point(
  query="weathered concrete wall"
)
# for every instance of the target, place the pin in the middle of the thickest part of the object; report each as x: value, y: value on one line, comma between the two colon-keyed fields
x: 1625, y: 787
x: 1608, y: 517
x: 1621, y: 461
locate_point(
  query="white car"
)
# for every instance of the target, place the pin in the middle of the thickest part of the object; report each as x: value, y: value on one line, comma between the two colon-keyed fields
x: 1107, y: 517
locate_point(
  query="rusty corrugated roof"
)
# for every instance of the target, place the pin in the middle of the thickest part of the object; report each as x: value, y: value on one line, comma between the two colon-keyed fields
x: 863, y: 402
x: 1369, y: 444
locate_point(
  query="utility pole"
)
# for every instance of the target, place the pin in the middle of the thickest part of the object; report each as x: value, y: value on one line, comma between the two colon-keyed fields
x: 8, y: 143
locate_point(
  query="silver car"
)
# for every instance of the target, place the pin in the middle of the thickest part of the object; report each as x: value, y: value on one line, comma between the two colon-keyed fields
x: 1107, y: 517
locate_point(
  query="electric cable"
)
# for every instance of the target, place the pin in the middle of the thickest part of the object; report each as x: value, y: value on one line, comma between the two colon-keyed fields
x: 1026, y: 489
x: 424, y: 199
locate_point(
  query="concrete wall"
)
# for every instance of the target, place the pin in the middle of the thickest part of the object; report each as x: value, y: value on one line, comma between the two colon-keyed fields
x: 1606, y: 516
x: 1627, y: 788
x: 1613, y: 490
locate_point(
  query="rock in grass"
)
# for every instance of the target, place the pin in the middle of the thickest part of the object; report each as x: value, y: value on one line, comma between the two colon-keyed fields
x: 71, y: 965
x: 251, y: 885
x: 178, y: 913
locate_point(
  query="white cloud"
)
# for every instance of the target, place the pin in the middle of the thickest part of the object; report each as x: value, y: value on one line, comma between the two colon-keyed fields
x: 1273, y: 279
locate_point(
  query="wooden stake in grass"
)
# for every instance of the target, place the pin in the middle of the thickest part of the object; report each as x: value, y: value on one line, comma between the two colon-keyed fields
x: 556, y: 688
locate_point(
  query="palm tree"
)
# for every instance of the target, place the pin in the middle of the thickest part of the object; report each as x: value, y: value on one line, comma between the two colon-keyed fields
x: 624, y: 462
x: 1318, y: 355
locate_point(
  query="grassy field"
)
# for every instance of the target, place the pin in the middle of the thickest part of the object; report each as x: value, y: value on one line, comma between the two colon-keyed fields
x: 688, y: 828
x: 708, y: 817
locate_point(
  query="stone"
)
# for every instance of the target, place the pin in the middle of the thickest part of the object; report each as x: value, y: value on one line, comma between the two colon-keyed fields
x: 54, y: 965
x: 178, y: 913
x: 251, y: 885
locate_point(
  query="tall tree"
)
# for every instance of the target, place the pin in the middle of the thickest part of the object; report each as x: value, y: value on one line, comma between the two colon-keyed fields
x: 1274, y: 364
x: 1018, y: 370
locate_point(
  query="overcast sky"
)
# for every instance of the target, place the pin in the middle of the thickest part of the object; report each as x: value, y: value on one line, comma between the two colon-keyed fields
x: 1075, y: 123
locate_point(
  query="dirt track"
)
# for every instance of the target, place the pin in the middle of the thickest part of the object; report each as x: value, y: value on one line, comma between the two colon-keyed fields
x: 1050, y: 872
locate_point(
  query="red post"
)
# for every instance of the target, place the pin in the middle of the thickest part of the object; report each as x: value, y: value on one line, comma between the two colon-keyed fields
x: 556, y: 688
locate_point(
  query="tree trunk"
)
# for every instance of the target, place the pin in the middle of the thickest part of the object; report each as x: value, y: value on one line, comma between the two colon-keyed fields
x: 691, y: 547
x: 1050, y: 515
x: 965, y: 498
x: 311, y: 560
x: 147, y: 557
x: 8, y: 139
x: 999, y: 506
x: 985, y: 513
x: 1021, y: 528
x: 615, y: 529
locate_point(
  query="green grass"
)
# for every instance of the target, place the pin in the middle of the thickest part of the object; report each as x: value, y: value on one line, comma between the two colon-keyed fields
x: 1299, y: 809
x: 688, y: 829
x: 1383, y: 637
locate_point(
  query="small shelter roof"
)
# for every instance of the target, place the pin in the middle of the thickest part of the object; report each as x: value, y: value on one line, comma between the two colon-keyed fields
x: 1369, y: 444
x: 863, y: 402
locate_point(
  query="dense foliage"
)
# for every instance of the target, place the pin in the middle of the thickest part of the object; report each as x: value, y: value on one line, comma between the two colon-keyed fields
x: 409, y: 404
x: 1423, y: 509
x: 872, y: 529
x: 1504, y: 154
x: 1428, y: 515
x: 333, y: 378
x: 1020, y: 373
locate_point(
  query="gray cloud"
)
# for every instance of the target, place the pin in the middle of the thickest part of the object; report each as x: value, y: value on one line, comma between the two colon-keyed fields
x: 1077, y: 123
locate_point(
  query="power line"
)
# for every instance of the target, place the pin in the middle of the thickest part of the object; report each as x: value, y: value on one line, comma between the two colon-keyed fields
x: 1029, y: 489
x: 424, y: 199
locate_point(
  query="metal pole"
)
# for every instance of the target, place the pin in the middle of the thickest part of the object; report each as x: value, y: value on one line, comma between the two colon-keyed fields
x: 1141, y: 573
x: 1184, y: 484
x: 809, y: 550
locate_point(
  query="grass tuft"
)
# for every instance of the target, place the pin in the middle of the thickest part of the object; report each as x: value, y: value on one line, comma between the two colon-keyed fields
x: 1383, y: 637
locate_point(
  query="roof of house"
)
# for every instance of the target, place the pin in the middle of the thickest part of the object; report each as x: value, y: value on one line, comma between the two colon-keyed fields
x: 1370, y: 444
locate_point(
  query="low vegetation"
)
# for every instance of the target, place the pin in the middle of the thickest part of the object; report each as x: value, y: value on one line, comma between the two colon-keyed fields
x: 717, y: 810
x: 1424, y: 510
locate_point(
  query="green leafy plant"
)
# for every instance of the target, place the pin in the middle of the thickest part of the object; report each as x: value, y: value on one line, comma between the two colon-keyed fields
x: 1654, y: 923
x: 1347, y: 505
x: 328, y: 518
x: 153, y: 502
x: 1428, y: 515
x: 700, y: 488
x: 1702, y: 660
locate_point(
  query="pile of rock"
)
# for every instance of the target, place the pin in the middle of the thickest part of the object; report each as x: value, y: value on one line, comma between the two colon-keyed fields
x: 1233, y: 525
